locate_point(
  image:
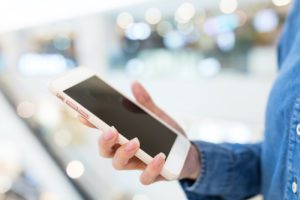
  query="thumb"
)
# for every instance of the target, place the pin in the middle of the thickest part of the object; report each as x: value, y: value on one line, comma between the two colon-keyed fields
x: 142, y: 97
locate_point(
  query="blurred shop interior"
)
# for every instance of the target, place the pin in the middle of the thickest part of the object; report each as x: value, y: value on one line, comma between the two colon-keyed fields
x: 209, y: 64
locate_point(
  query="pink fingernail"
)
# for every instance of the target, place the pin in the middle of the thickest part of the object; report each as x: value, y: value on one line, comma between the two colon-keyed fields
x: 159, y: 159
x: 108, y: 135
x: 131, y: 145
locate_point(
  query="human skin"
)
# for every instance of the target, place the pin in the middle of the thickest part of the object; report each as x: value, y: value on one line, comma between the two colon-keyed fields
x: 123, y: 156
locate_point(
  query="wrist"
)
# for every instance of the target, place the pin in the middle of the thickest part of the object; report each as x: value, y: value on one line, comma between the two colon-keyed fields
x: 192, y: 165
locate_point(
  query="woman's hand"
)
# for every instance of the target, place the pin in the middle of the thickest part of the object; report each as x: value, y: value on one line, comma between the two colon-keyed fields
x: 123, y: 156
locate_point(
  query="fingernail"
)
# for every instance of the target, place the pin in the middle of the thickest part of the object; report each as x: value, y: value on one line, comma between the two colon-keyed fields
x: 159, y: 159
x: 108, y: 135
x: 131, y: 145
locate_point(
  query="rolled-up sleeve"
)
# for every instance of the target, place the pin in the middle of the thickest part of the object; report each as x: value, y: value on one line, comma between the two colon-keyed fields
x: 228, y: 171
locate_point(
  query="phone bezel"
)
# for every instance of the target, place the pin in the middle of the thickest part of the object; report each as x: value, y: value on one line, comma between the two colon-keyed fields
x: 178, y: 153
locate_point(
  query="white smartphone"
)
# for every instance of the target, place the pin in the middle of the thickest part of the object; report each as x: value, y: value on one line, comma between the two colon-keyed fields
x: 104, y: 106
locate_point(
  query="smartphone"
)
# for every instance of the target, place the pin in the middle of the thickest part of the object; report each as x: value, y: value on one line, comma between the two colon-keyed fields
x: 104, y: 106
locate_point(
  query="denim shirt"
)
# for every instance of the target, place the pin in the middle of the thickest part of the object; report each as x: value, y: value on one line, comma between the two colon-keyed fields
x: 270, y: 168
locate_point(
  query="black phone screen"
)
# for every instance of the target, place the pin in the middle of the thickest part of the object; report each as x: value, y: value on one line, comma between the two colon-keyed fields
x: 118, y: 111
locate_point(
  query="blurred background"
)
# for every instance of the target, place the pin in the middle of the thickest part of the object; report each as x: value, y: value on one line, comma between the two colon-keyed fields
x: 209, y: 64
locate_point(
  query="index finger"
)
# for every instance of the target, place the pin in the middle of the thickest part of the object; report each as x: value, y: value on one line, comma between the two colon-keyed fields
x: 86, y: 122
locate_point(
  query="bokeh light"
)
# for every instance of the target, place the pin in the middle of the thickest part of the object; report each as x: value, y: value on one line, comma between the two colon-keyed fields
x: 281, y: 2
x: 209, y: 67
x: 226, y: 41
x: 265, y: 21
x: 153, y: 16
x: 221, y: 24
x: 48, y: 114
x: 124, y: 20
x: 164, y: 27
x: 228, y: 6
x: 185, y: 12
x: 26, y: 109
x: 138, y: 31
x: 75, y: 169
x: 186, y: 28
x: 36, y: 64
x: 174, y: 40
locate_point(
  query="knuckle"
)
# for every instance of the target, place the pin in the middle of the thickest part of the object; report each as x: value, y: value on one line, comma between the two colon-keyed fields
x: 110, y: 142
x: 103, y: 143
x: 104, y: 152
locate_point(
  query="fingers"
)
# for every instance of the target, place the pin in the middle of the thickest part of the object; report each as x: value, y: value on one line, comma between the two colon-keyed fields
x: 86, y: 122
x: 152, y: 171
x: 124, y: 157
x: 107, y: 142
x: 125, y: 153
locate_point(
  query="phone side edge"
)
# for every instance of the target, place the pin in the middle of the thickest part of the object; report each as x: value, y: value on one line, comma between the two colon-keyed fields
x: 177, y: 156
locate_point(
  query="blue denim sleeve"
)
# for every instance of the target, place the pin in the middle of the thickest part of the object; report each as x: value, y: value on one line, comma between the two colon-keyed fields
x: 229, y: 171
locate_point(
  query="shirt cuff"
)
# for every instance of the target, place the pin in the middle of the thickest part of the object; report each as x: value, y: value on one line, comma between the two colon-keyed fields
x: 215, y: 174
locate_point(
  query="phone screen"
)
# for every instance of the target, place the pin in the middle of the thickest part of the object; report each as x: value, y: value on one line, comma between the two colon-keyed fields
x: 118, y: 111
